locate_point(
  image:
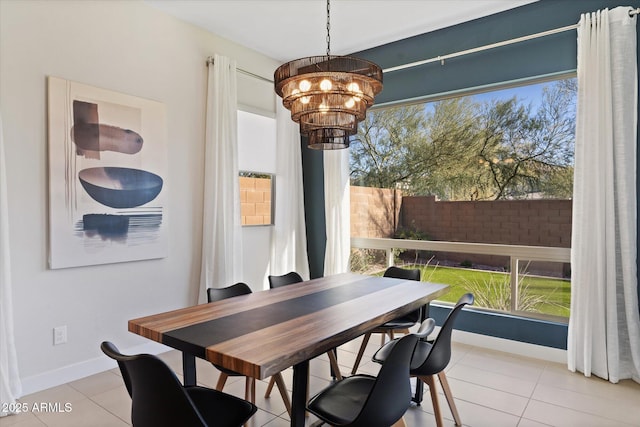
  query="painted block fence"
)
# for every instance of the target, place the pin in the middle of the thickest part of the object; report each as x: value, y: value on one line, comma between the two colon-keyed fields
x: 379, y: 212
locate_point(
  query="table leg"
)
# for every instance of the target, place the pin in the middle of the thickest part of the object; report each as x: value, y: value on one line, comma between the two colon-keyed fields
x: 299, y: 395
x: 189, y: 369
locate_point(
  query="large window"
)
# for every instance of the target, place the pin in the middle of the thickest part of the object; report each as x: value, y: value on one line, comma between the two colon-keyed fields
x: 490, y: 168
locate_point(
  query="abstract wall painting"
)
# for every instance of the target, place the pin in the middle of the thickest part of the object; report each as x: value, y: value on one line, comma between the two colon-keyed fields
x: 107, y: 176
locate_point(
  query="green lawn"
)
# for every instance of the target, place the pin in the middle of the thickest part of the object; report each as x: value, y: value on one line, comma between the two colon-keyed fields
x: 545, y: 295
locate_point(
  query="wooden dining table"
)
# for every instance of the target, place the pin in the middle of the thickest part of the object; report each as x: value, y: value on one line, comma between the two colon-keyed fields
x: 263, y: 333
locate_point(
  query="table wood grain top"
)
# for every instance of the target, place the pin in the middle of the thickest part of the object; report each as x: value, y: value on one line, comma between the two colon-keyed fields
x: 265, y: 332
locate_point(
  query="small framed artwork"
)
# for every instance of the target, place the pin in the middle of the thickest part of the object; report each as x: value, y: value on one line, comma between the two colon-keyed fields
x: 107, y: 176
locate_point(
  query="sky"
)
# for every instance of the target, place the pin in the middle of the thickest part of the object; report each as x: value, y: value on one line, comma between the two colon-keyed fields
x: 527, y: 94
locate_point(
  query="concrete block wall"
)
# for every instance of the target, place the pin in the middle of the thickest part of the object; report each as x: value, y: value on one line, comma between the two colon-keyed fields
x: 255, y: 200
x: 374, y: 211
x: 509, y: 222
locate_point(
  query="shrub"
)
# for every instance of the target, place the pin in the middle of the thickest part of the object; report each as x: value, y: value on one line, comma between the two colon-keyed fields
x: 410, y: 232
x: 366, y: 260
x: 494, y: 291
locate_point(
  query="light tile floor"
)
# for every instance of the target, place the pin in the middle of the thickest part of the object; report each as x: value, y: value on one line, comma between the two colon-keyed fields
x: 491, y: 389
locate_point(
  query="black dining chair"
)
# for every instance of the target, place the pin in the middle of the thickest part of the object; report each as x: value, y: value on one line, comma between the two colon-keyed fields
x: 367, y: 401
x: 289, y: 279
x: 401, y: 324
x: 159, y: 400
x: 284, y: 280
x: 435, y: 357
x: 217, y: 294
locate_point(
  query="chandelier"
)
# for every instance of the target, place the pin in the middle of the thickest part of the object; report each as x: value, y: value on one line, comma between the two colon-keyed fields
x: 328, y: 95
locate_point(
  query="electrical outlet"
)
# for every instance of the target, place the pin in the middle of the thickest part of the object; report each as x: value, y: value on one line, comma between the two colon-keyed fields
x: 59, y: 335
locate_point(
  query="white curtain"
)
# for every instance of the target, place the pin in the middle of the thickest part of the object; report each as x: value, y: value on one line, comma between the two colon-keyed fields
x: 604, y: 326
x: 337, y: 211
x: 10, y: 385
x: 221, y: 230
x: 289, y: 239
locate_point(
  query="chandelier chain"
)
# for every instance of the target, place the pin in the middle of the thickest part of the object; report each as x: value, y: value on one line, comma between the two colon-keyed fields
x: 328, y: 29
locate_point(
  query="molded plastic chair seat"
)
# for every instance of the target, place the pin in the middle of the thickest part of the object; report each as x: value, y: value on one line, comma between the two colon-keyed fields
x: 404, y: 322
x: 158, y: 399
x: 430, y: 359
x: 342, y: 403
x: 400, y: 324
x: 420, y: 353
x: 367, y: 401
x: 217, y: 294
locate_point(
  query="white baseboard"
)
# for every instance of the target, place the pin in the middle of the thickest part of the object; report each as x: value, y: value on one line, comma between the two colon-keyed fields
x: 509, y: 346
x: 83, y: 369
x: 99, y: 364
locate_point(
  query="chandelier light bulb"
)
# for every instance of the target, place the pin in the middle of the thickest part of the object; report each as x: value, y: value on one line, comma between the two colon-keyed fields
x: 325, y: 85
x: 353, y: 87
x: 305, y: 85
x: 350, y: 103
x: 305, y: 99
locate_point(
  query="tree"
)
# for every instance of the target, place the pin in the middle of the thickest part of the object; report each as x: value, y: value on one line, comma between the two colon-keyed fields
x: 450, y: 145
x: 521, y: 150
x: 460, y: 149
x: 407, y: 145
x: 380, y: 152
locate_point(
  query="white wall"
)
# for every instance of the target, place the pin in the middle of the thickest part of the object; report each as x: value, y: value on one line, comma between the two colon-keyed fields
x: 129, y: 47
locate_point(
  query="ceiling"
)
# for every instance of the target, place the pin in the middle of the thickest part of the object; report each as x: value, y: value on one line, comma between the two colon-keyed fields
x: 290, y: 29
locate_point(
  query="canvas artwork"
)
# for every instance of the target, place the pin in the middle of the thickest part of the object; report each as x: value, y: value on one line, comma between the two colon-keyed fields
x: 107, y: 176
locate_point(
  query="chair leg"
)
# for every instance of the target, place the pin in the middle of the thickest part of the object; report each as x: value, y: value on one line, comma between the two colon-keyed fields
x: 222, y: 379
x: 400, y: 423
x: 334, y: 364
x: 384, y: 334
x: 431, y: 382
x: 272, y: 382
x: 447, y: 393
x: 277, y: 378
x: 363, y: 346
x: 278, y: 381
x: 250, y: 389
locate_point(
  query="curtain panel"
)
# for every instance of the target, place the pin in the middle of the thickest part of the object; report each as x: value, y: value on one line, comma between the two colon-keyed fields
x: 289, y: 239
x: 337, y: 211
x: 10, y: 385
x: 221, y: 228
x: 604, y: 325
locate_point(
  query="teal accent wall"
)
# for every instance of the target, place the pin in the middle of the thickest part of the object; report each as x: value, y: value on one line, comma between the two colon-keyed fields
x: 546, y: 55
x: 506, y: 326
x: 313, y: 177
